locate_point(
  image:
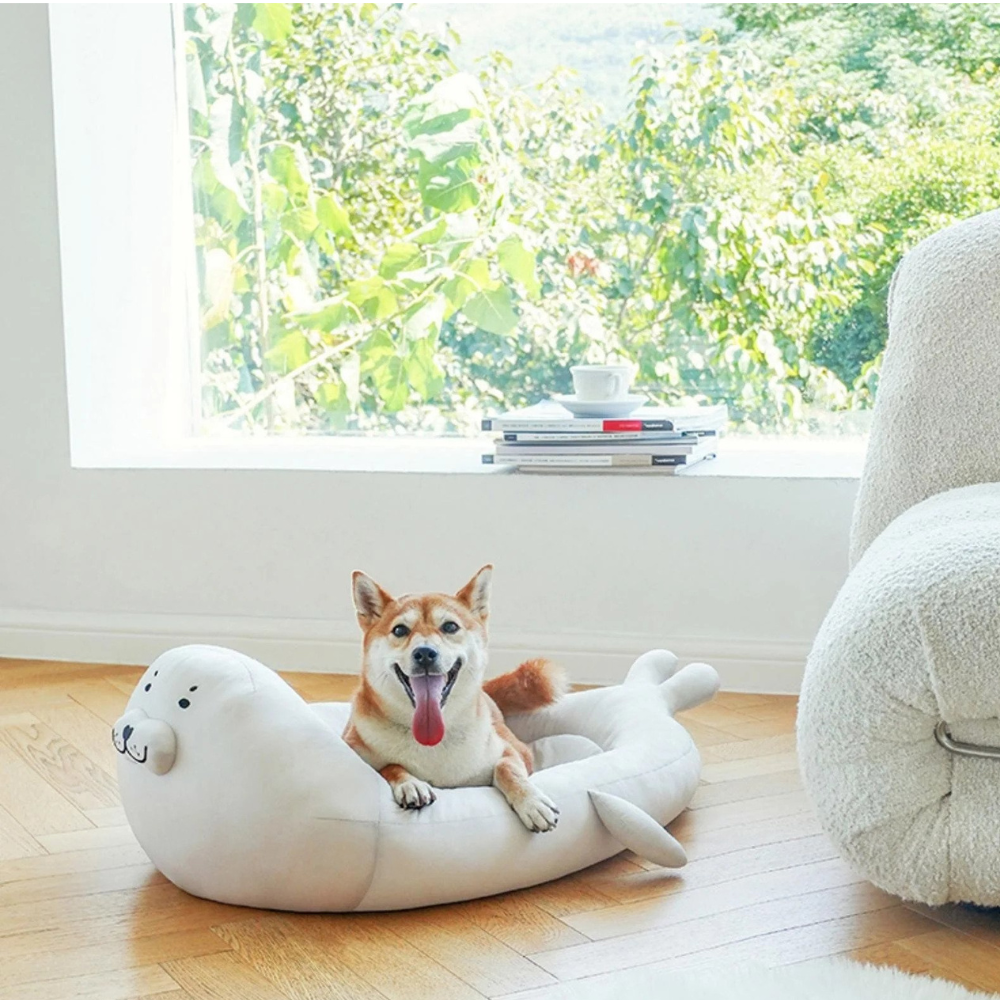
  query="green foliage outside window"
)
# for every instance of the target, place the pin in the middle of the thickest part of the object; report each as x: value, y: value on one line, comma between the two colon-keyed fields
x: 386, y: 243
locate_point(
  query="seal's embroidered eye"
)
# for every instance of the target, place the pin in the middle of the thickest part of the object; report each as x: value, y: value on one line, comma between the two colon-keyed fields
x: 450, y: 627
x: 400, y: 631
x: 147, y: 687
x: 184, y: 703
x: 193, y: 688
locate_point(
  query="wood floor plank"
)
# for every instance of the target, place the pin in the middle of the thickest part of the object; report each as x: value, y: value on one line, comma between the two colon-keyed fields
x: 948, y: 954
x: 784, y: 743
x: 62, y: 766
x: 894, y: 954
x: 742, y: 789
x: 101, y: 697
x: 740, y: 701
x: 107, y: 816
x: 798, y: 944
x: 45, y: 926
x: 33, y: 803
x: 772, y: 808
x: 713, y: 713
x: 982, y: 924
x: 720, y: 868
x: 396, y: 969
x: 957, y: 957
x: 691, y: 903
x: 585, y: 890
x: 323, y: 687
x: 221, y: 977
x: 712, y: 841
x: 124, y: 684
x: 711, y: 931
x: 728, y: 770
x: 87, y: 732
x: 29, y: 699
x: 67, y: 886
x: 755, y: 729
x: 782, y: 708
x: 818, y: 940
x: 471, y: 953
x: 18, y: 719
x: 72, y: 862
x: 107, y: 957
x: 15, y: 672
x: 15, y: 841
x: 707, y: 736
x: 298, y: 966
x: 516, y: 920
x: 117, y: 984
x: 88, y: 838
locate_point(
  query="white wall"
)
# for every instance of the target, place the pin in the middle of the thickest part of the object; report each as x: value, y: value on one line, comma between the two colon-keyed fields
x: 117, y: 564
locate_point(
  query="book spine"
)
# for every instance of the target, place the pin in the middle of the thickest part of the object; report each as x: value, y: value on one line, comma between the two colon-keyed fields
x: 585, y: 424
x: 564, y: 470
x: 611, y: 437
x: 636, y: 425
x: 586, y: 461
x: 519, y: 449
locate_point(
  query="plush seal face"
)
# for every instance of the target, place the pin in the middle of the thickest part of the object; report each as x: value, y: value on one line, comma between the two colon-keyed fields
x: 178, y: 693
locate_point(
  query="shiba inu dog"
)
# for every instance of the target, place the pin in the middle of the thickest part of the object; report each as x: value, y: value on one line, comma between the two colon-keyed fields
x: 423, y: 715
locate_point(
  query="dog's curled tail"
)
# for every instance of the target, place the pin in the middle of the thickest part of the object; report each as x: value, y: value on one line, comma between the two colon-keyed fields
x: 533, y: 685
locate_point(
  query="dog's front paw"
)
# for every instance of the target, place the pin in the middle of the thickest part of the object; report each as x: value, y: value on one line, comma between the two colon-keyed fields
x: 412, y: 793
x: 537, y: 812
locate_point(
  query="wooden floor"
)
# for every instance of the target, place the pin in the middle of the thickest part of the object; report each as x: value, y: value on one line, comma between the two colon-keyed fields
x: 84, y: 914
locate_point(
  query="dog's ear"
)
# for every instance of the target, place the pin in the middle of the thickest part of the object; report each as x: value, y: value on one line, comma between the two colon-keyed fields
x: 370, y: 600
x: 475, y: 595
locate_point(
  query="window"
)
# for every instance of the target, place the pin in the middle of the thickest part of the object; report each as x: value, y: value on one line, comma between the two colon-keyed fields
x: 406, y: 219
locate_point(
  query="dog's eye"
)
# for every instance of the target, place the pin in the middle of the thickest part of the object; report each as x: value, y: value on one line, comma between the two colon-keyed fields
x: 400, y: 631
x: 449, y: 627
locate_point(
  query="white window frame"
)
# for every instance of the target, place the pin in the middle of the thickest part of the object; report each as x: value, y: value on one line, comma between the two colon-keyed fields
x: 125, y: 213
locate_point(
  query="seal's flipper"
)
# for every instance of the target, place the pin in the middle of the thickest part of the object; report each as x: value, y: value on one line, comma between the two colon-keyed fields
x: 653, y: 667
x: 690, y: 686
x: 638, y: 831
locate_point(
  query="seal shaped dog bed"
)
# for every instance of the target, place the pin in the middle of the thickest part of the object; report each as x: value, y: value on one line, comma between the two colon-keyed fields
x: 240, y: 791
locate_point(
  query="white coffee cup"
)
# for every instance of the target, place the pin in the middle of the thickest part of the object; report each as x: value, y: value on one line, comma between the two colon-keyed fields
x: 595, y: 383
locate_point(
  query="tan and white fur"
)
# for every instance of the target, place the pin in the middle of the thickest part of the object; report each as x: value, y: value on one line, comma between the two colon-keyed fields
x: 424, y: 717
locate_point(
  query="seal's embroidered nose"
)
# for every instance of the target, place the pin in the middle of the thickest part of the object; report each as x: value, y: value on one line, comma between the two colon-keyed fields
x: 126, y: 733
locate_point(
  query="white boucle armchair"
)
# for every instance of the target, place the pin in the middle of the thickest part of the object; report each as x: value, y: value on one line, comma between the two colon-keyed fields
x: 899, y: 720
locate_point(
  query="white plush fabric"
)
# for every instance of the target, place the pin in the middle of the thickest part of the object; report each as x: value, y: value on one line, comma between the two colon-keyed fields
x: 248, y: 795
x: 913, y: 639
x: 914, y: 635
x: 937, y: 414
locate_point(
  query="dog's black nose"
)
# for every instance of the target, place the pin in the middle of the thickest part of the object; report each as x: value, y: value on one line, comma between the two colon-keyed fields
x: 424, y: 659
x: 126, y: 733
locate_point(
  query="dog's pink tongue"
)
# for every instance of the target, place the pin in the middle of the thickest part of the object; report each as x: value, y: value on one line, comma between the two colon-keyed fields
x: 428, y: 722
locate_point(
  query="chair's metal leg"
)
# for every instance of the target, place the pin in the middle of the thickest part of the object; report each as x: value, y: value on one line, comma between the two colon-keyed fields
x: 943, y: 737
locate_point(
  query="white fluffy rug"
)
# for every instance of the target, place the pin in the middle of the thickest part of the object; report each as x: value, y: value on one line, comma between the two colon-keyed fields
x: 829, y: 979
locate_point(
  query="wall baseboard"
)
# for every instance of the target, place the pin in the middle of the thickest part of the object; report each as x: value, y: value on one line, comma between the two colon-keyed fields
x: 751, y: 665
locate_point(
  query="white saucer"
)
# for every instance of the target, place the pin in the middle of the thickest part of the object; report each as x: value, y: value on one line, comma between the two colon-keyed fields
x: 600, y: 407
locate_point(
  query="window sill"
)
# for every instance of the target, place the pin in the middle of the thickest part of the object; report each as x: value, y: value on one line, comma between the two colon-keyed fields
x: 739, y: 458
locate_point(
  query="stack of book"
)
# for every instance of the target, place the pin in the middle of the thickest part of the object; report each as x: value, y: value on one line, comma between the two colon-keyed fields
x: 660, y: 440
